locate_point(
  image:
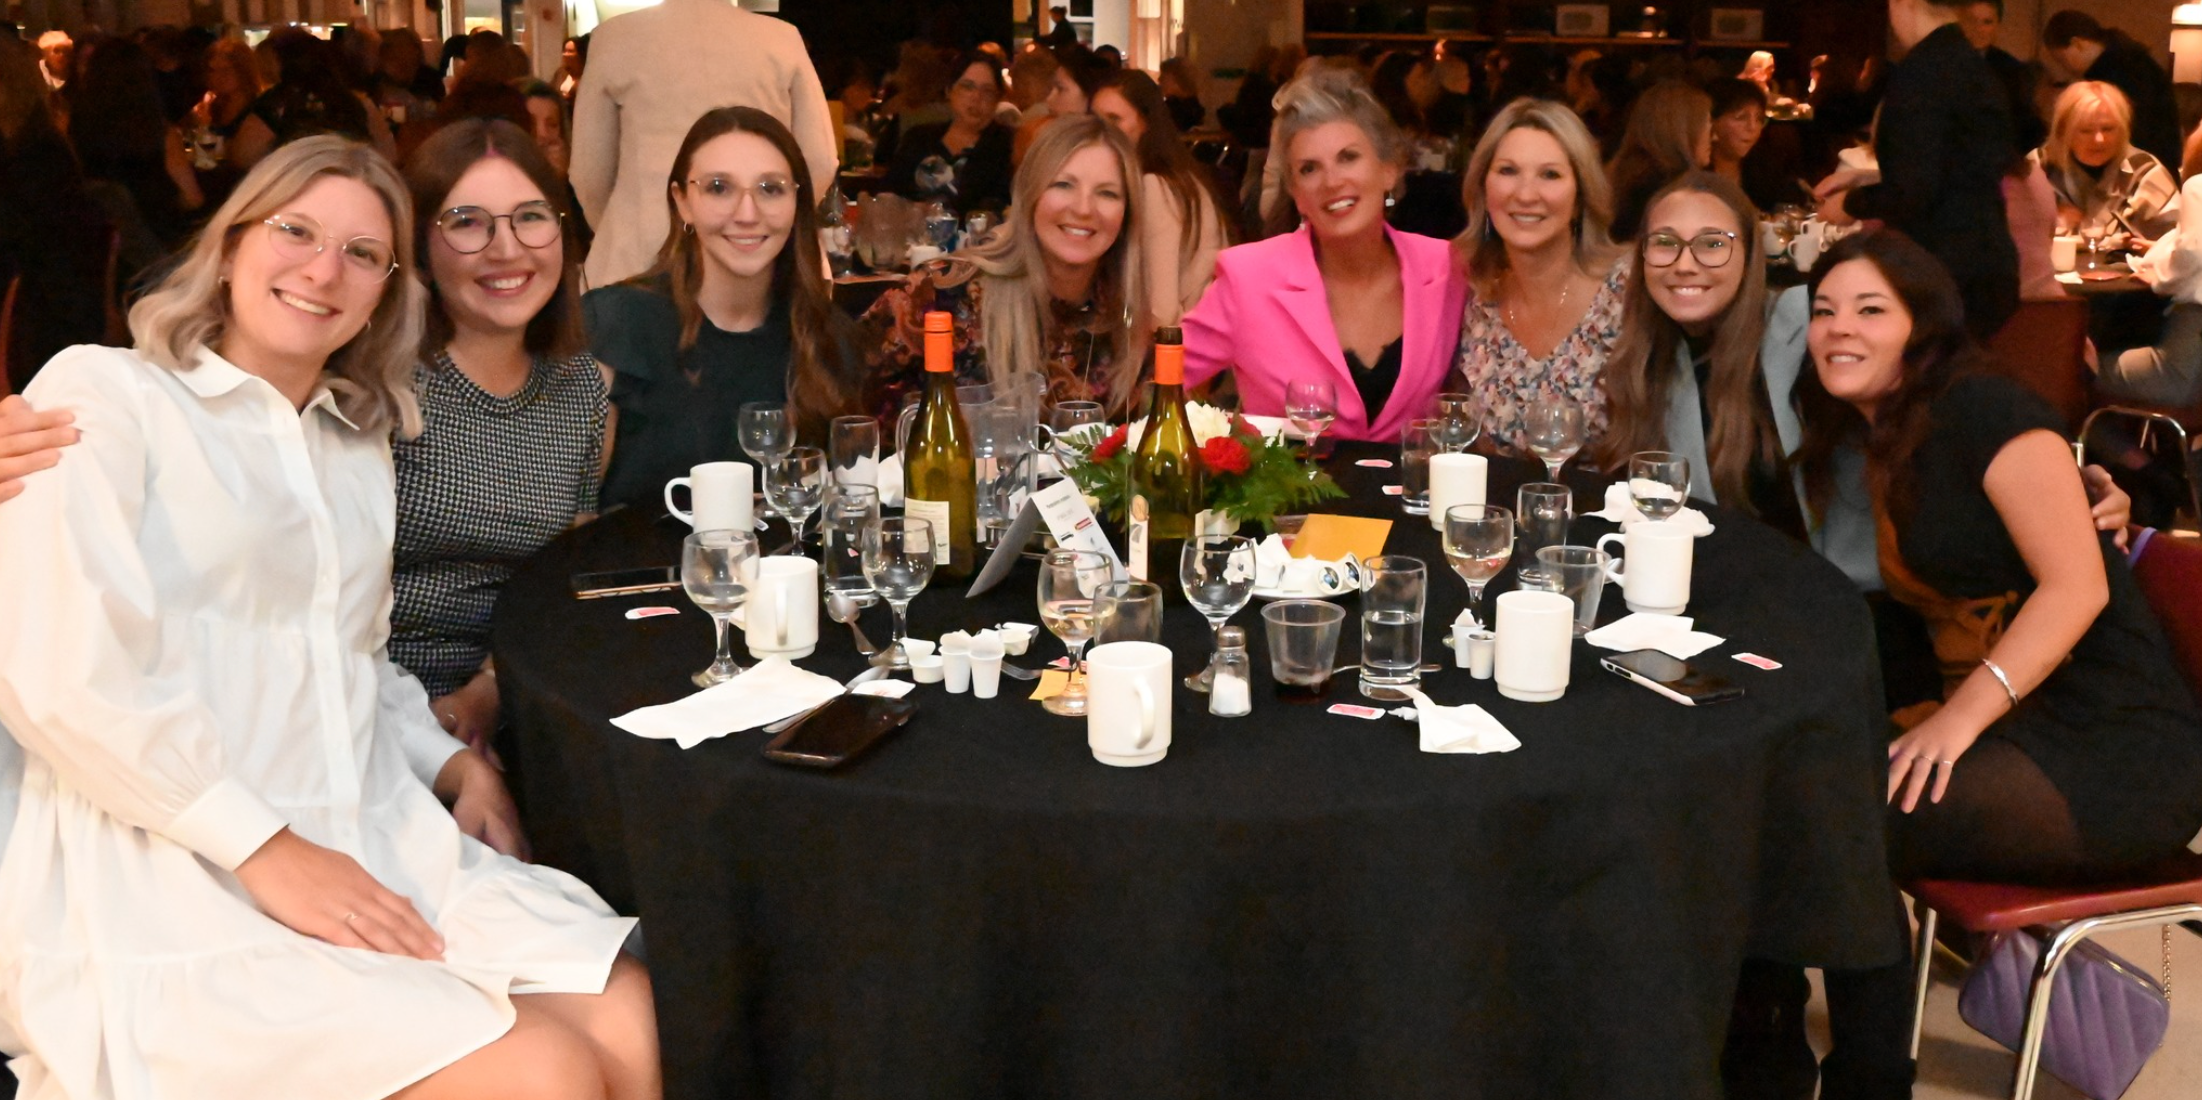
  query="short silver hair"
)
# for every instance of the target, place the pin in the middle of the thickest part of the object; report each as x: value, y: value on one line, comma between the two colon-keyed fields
x: 1329, y: 95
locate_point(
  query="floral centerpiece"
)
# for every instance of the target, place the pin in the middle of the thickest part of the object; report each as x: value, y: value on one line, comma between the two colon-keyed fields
x: 1252, y: 476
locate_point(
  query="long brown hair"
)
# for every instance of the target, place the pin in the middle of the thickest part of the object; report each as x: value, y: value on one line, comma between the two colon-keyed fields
x: 1162, y: 153
x: 819, y: 385
x: 1939, y: 352
x: 1639, y: 374
x: 435, y: 168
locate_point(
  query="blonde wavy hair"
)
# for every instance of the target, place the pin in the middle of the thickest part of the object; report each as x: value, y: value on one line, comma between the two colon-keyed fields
x: 1016, y: 306
x: 371, y: 376
x: 1479, y: 249
x: 2075, y: 100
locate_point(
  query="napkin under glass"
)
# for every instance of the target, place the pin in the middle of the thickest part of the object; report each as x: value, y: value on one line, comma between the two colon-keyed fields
x: 1673, y: 635
x: 1622, y: 510
x: 770, y: 690
x: 1469, y: 729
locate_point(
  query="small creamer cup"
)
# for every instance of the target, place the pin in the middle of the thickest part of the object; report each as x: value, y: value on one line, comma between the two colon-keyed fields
x: 1017, y: 637
x: 926, y: 669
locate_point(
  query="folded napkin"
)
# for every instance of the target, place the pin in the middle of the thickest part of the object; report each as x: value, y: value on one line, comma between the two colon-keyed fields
x: 1669, y: 634
x: 890, y: 482
x: 1467, y: 728
x: 1622, y: 510
x: 1276, y: 570
x: 772, y: 689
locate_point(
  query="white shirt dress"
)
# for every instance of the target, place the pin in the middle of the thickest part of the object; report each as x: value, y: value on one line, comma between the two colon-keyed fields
x: 193, y: 611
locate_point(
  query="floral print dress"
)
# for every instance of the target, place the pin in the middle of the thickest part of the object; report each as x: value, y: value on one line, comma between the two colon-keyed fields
x: 1496, y: 368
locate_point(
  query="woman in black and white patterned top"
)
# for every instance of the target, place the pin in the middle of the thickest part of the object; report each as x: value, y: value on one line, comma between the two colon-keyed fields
x: 514, y: 408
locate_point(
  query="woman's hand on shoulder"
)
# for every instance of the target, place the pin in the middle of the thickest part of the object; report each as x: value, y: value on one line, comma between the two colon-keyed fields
x: 475, y: 790
x: 30, y: 441
x: 323, y: 893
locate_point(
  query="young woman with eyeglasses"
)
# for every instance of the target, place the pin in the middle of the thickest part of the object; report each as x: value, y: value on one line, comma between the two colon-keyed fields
x: 219, y: 801
x: 512, y: 405
x: 736, y: 309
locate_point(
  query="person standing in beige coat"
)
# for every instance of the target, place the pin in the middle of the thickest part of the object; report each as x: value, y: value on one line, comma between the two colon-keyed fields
x: 651, y: 74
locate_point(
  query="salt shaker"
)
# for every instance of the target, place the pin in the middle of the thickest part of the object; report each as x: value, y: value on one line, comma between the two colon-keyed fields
x: 1231, y: 695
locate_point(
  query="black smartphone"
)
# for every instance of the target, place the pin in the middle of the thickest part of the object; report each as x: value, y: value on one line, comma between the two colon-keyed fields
x: 840, y: 731
x: 622, y: 582
x: 1680, y: 681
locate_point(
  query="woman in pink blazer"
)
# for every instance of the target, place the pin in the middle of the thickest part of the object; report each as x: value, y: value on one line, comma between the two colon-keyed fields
x: 1345, y: 297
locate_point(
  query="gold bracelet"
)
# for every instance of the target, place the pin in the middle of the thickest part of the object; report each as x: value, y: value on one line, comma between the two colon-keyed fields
x: 1997, y: 671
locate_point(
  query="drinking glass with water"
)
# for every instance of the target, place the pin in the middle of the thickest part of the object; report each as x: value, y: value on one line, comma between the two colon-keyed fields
x: 1394, y: 589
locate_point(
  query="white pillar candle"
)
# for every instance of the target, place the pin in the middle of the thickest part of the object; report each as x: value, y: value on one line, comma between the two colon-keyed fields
x: 1536, y: 637
x: 1455, y: 479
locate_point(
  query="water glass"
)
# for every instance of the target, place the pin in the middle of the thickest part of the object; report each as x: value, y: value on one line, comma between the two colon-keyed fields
x: 1069, y: 581
x: 1460, y: 419
x: 898, y: 560
x: 1217, y: 572
x: 1311, y: 404
x: 1303, y: 647
x: 853, y: 450
x: 1128, y: 611
x: 1541, y: 513
x: 1659, y: 483
x: 1554, y: 427
x: 1393, y: 591
x: 1417, y: 442
x: 848, y: 510
x: 717, y: 570
x: 1577, y: 572
x: 1479, y: 541
x: 796, y: 485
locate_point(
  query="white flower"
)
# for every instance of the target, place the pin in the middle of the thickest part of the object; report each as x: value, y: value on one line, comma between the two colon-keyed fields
x: 1207, y: 422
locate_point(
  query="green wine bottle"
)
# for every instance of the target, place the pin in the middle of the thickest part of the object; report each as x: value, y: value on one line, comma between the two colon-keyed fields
x: 1166, y: 473
x: 938, y: 481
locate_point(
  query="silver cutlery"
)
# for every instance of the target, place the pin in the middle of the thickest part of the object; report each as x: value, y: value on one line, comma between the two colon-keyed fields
x: 842, y: 608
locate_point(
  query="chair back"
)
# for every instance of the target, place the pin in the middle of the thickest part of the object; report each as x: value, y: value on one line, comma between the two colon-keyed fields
x: 2169, y: 571
x: 2044, y: 347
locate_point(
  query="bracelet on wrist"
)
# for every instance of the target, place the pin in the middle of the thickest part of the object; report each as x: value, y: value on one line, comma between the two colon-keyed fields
x: 1996, y: 670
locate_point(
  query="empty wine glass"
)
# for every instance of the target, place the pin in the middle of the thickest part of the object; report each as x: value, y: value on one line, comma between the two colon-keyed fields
x: 1554, y: 426
x: 1311, y: 404
x: 1066, y: 419
x: 796, y: 485
x: 898, y: 560
x: 1479, y: 541
x: 766, y: 433
x: 717, y: 569
x: 1218, y: 574
x: 1659, y: 481
x: 1069, y: 580
x: 1459, y: 422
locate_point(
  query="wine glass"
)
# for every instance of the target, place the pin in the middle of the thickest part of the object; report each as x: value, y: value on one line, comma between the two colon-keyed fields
x: 1459, y: 422
x: 1218, y: 574
x: 898, y: 560
x: 1067, y: 418
x: 796, y: 485
x: 1311, y: 404
x: 1659, y: 481
x: 717, y: 569
x: 766, y: 433
x: 1479, y: 541
x: 1554, y: 426
x: 1069, y: 580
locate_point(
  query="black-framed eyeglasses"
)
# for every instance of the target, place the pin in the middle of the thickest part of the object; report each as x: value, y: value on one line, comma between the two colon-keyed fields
x: 470, y: 229
x: 298, y: 237
x: 1712, y: 248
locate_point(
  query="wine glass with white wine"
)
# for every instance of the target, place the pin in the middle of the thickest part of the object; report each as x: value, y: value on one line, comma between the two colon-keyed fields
x: 1069, y: 581
x: 1479, y: 541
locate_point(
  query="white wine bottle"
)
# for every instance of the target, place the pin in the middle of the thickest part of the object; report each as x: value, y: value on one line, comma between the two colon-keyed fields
x: 1166, y: 472
x: 939, y: 483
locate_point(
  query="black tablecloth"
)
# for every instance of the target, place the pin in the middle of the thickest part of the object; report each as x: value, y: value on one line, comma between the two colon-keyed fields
x: 1292, y: 904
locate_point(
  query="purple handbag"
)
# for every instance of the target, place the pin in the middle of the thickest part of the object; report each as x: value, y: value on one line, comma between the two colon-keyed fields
x: 2106, y: 1017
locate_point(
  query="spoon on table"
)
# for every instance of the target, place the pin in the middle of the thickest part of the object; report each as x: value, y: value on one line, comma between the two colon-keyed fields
x: 842, y: 608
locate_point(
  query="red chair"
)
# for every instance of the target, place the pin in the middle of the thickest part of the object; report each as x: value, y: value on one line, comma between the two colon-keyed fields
x: 2044, y: 347
x: 2169, y: 570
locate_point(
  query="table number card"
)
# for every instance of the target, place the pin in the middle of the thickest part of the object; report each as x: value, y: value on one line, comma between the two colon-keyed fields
x: 1063, y: 508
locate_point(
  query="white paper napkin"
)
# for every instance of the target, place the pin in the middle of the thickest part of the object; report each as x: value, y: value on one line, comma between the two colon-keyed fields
x: 1270, y: 559
x: 1622, y: 510
x: 1673, y: 635
x: 1467, y: 728
x: 890, y: 482
x: 772, y: 689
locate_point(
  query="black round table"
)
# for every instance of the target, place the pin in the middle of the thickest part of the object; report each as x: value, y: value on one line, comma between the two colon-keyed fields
x: 1292, y: 904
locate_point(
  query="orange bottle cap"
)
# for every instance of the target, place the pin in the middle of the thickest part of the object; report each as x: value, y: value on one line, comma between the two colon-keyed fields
x: 1169, y: 364
x: 940, y: 342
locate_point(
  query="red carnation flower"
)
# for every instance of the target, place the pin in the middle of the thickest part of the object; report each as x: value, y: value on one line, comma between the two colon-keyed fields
x: 1225, y: 455
x: 1107, y: 448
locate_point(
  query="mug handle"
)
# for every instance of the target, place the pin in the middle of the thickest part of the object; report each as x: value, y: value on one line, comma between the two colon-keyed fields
x: 1146, y: 712
x: 780, y: 615
x: 688, y: 518
x: 1613, y: 563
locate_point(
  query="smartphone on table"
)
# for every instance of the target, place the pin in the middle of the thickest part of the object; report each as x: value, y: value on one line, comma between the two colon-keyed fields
x: 1678, y: 680
x: 625, y: 582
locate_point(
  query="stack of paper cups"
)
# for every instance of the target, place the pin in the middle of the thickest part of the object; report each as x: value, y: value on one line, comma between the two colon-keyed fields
x: 1455, y: 479
x: 1536, y: 633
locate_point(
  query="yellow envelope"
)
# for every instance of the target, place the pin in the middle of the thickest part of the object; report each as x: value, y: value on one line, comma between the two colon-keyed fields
x: 1331, y: 538
x: 1052, y: 683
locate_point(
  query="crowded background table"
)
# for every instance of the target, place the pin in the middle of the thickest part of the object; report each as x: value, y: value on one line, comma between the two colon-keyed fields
x: 1292, y: 904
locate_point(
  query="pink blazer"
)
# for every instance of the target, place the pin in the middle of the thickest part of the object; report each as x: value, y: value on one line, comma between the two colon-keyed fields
x: 1267, y: 318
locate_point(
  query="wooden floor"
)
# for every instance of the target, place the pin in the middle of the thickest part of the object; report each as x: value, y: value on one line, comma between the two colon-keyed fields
x: 1958, y: 1063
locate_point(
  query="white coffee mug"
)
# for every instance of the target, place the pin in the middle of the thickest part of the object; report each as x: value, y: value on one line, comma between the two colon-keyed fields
x: 1805, y: 250
x: 782, y: 609
x: 1658, y: 559
x: 722, y: 494
x: 2064, y: 253
x: 1455, y: 479
x: 1128, y: 703
x: 1536, y: 639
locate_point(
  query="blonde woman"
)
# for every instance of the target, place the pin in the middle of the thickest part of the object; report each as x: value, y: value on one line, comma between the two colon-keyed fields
x: 2106, y: 187
x: 224, y: 797
x: 1057, y: 291
x: 1546, y: 282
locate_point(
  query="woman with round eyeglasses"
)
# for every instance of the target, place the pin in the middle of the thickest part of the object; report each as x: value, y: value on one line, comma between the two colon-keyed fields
x: 736, y: 310
x: 513, y: 408
x: 220, y: 800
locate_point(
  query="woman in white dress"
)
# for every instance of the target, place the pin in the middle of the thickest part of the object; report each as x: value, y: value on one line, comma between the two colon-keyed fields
x: 228, y: 873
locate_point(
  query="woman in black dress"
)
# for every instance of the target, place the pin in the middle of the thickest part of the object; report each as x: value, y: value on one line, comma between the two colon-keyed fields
x: 963, y: 163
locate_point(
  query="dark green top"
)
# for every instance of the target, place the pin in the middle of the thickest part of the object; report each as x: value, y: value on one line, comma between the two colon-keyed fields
x: 676, y: 410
